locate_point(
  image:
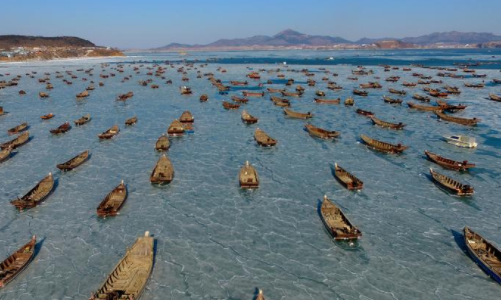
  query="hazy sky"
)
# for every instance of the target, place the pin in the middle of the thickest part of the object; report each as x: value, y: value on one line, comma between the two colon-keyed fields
x: 154, y: 23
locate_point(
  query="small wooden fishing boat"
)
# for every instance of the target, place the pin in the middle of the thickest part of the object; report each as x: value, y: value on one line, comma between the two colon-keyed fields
x: 112, y: 203
x: 254, y: 75
x: 423, y: 107
x: 385, y: 124
x: 281, y: 102
x: 43, y: 95
x: 336, y: 222
x: 485, y: 254
x: 252, y: 94
x: 162, y: 143
x: 74, y: 162
x: 131, y: 121
x: 176, y: 128
x: 17, y: 262
x: 239, y: 99
x: 449, y: 163
x: 364, y: 112
x: 185, y: 90
x: 321, y: 133
x: 494, y: 97
x: 297, y: 115
x: 130, y: 276
x: 360, y: 93
x: 383, y: 146
x: 320, y: 93
x: 451, y: 185
x: 83, y: 120
x: 452, y: 90
x: 409, y: 84
x: 5, y: 154
x: 61, y: 129
x: 186, y: 117
x: 474, y: 85
x: 163, y: 171
x: 248, y: 177
x: 291, y: 94
x: 328, y: 101
x: 19, y: 128
x: 398, y: 92
x: 496, y: 81
x: 248, y: 118
x: 270, y: 90
x: 124, y: 97
x: 421, y: 98
x: 391, y: 100
x: 349, y: 101
x: 47, y: 117
x: 36, y: 195
x: 2, y: 112
x: 83, y: 94
x: 204, y: 98
x: 22, y: 139
x: 264, y: 139
x: 462, y: 121
x: 438, y: 94
x: 108, y: 134
x: 370, y: 85
x: 228, y: 105
x: 347, y: 179
x: 449, y: 107
x: 238, y: 83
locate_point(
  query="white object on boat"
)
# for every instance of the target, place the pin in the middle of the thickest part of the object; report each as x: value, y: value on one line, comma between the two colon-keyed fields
x: 461, y: 141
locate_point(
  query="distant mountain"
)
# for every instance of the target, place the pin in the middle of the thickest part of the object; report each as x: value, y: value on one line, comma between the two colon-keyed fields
x: 12, y: 41
x: 453, y: 37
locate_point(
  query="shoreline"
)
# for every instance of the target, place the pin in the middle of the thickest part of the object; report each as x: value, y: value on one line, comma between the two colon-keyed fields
x: 61, y: 59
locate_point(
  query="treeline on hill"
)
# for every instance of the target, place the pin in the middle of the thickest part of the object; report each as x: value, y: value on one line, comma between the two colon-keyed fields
x: 13, y: 41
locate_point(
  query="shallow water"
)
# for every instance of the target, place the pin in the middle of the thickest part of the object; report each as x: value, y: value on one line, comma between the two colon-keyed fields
x: 215, y: 241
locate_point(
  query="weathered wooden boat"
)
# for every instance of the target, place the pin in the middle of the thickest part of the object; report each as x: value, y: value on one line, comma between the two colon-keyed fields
x: 22, y: 92
x: 252, y: 94
x: 239, y: 83
x: 336, y: 222
x: 474, y: 85
x: 370, y: 85
x: 22, y: 139
x: 496, y: 81
x: 162, y: 143
x: 297, y: 115
x: 494, y: 97
x: 163, y: 171
x: 248, y: 177
x: 321, y: 133
x: 83, y: 94
x: 347, y: 179
x: 300, y: 89
x: 349, y: 101
x: 254, y: 75
x: 239, y: 99
x: 398, y: 92
x: 451, y: 185
x: 438, y: 94
x: 281, y: 102
x: 83, y: 120
x: 17, y: 262
x: 204, y: 98
x: 264, y: 139
x: 383, y: 146
x: 19, y: 128
x: 61, y: 129
x: 385, y: 124
x: 43, y: 95
x: 130, y: 276
x: 248, y: 118
x: 291, y: 94
x: 449, y: 163
x: 185, y: 90
x: 74, y: 162
x: 327, y: 101
x: 176, y: 128
x: 423, y: 107
x: 112, y: 203
x: 409, y: 84
x: 5, y: 154
x: 360, y: 93
x: 320, y: 93
x: 36, y: 195
x: 452, y: 90
x: 47, y: 116
x: 270, y: 90
x: 461, y: 141
x: 449, y: 107
x: 421, y: 98
x: 131, y: 121
x: 228, y: 105
x: 186, y: 117
x: 108, y: 134
x: 391, y: 100
x: 462, y: 121
x: 334, y: 87
x: 2, y: 112
x: 364, y: 112
x: 485, y: 254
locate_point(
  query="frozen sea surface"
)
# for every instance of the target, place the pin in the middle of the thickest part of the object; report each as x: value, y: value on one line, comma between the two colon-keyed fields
x: 215, y: 241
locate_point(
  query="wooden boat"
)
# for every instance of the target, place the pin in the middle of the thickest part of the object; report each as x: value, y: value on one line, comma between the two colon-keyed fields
x: 36, y: 195
x: 239, y: 99
x: 185, y: 90
x: 452, y: 90
x: 270, y: 90
x: 130, y: 276
x: 462, y: 121
x: 494, y: 97
x: 461, y: 141
x: 239, y: 83
x: 254, y: 75
x: 347, y: 179
x: 449, y: 107
x: 61, y: 129
x: 83, y: 94
x: 485, y: 254
x: 17, y: 262
x: 391, y: 100
x: 83, y: 120
x: 451, y: 185
x: 328, y: 101
x: 43, y: 95
x: 321, y: 133
x: 17, y: 142
x: 228, y: 105
x: 260, y: 295
x: 297, y: 115
x: 19, y: 128
x: 248, y: 177
x: 349, y: 101
x: 5, y: 154
x: 204, y: 98
x: 385, y: 124
x: 360, y: 93
x: 291, y: 94
x: 176, y: 128
x: 74, y: 162
x: 474, y: 85
x: 497, y: 81
x: 398, y: 92
x: 281, y: 102
x: 124, y: 97
x: 2, y: 112
x: 47, y: 117
x: 409, y: 84
x: 423, y: 107
x: 112, y: 203
x: 320, y: 93
x: 438, y: 94
x: 364, y: 112
x: 370, y: 85
x: 248, y: 118
x: 263, y: 139
x: 383, y: 146
x: 163, y: 171
x: 131, y: 121
x: 162, y: 143
x: 449, y: 163
x: 186, y: 117
x: 421, y: 98
x: 336, y: 222
x: 252, y: 94
x: 108, y: 134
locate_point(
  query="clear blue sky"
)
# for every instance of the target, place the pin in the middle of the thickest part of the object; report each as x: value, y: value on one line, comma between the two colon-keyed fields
x: 154, y: 23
